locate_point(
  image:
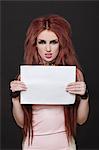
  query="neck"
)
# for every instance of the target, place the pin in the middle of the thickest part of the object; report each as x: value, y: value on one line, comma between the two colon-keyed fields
x: 51, y: 63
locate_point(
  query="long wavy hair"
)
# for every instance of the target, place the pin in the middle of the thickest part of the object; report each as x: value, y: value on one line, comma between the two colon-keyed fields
x: 66, y: 56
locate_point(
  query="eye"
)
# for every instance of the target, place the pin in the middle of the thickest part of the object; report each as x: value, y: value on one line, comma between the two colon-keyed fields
x: 42, y: 42
x: 53, y: 42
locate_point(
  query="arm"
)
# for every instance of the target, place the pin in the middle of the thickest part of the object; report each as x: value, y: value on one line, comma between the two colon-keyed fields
x: 83, y: 111
x: 79, y: 87
x: 83, y: 108
x: 18, y: 112
x: 17, y: 108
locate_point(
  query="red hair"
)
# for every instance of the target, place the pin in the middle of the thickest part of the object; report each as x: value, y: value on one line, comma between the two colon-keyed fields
x: 66, y: 56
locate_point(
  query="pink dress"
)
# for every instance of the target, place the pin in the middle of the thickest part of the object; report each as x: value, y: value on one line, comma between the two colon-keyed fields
x: 49, y: 129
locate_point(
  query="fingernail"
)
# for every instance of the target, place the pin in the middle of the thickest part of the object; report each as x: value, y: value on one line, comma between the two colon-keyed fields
x: 66, y: 90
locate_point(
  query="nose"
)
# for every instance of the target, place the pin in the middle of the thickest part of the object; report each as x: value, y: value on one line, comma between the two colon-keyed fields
x: 48, y: 48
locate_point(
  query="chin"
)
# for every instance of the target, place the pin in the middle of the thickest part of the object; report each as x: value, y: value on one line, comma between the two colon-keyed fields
x: 48, y: 60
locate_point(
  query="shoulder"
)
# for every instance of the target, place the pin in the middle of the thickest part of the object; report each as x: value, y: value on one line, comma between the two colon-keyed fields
x: 79, y: 75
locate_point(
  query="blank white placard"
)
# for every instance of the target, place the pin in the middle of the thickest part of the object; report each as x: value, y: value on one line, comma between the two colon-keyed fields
x: 47, y: 84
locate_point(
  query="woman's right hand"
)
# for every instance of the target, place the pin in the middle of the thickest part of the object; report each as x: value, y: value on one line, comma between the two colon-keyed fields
x: 17, y: 85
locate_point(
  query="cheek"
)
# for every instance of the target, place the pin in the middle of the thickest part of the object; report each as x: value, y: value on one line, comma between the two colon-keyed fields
x: 41, y: 49
x: 41, y: 52
x: 55, y: 49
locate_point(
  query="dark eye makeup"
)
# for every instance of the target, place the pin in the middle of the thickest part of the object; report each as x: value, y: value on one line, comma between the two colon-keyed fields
x: 51, y: 42
x: 42, y: 42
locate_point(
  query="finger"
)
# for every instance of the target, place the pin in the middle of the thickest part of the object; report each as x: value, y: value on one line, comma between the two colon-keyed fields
x: 73, y: 88
x: 18, y: 87
x: 19, y: 84
x: 15, y: 83
x: 76, y: 87
x: 77, y: 91
x: 75, y: 83
x: 14, y: 89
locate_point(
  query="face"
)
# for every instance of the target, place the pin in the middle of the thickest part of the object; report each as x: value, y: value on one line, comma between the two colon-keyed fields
x: 47, y: 45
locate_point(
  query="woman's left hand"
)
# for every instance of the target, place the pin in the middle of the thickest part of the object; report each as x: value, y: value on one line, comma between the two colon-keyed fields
x: 78, y: 87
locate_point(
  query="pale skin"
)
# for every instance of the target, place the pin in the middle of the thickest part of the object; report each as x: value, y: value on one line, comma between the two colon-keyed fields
x: 48, y: 48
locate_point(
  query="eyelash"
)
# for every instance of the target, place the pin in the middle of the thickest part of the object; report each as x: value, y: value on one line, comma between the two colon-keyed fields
x: 42, y: 42
x: 52, y: 42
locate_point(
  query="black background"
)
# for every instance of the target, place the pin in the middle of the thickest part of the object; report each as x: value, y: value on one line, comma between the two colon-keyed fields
x: 84, y: 19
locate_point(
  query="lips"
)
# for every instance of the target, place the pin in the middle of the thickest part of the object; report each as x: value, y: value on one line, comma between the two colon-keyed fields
x: 48, y: 55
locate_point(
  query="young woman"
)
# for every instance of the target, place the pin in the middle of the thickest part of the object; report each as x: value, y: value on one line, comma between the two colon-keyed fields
x: 50, y: 127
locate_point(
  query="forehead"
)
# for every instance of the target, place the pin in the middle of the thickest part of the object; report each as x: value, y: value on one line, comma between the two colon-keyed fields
x: 47, y: 34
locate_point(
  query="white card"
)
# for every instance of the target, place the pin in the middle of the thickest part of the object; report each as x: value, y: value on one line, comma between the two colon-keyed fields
x: 47, y: 84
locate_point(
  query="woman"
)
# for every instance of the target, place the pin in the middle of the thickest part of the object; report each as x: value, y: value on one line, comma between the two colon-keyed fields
x: 50, y: 127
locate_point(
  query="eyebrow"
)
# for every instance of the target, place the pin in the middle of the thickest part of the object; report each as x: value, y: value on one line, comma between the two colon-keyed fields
x: 50, y: 40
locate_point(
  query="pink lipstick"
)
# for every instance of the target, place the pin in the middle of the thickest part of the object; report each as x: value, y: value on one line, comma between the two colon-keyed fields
x: 48, y: 55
